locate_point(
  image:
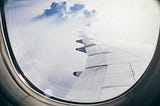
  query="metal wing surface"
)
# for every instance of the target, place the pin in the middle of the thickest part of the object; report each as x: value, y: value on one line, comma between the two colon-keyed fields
x: 106, y: 68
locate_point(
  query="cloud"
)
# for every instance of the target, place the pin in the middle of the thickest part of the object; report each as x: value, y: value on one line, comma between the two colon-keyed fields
x: 59, y: 10
x: 77, y: 7
x: 46, y: 51
x: 88, y: 13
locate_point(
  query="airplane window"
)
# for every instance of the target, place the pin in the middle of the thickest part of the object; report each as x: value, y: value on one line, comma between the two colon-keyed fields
x: 83, y: 50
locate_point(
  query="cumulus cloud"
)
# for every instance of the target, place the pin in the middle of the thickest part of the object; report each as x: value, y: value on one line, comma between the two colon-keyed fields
x: 77, y: 7
x: 88, y: 13
x: 46, y: 47
x: 58, y: 9
x: 62, y: 11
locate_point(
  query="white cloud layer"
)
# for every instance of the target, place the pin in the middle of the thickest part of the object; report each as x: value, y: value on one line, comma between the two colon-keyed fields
x: 46, y: 49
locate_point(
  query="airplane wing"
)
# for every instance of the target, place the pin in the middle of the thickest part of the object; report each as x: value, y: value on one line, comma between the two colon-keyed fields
x: 106, y: 68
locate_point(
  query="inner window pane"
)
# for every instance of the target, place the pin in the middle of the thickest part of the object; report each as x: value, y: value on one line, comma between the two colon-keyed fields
x: 83, y: 50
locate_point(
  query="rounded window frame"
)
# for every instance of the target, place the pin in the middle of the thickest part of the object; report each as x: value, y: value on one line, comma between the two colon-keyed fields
x: 29, y: 88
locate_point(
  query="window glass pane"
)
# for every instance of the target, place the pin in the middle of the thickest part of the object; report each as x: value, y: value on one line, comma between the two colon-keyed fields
x: 83, y: 50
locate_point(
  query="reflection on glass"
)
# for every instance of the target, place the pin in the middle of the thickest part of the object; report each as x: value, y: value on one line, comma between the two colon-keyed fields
x: 82, y: 50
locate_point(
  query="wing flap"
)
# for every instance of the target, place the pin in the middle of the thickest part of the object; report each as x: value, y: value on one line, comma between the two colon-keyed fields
x: 119, y: 75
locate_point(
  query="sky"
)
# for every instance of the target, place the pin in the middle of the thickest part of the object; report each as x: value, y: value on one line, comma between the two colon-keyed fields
x: 45, y: 47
